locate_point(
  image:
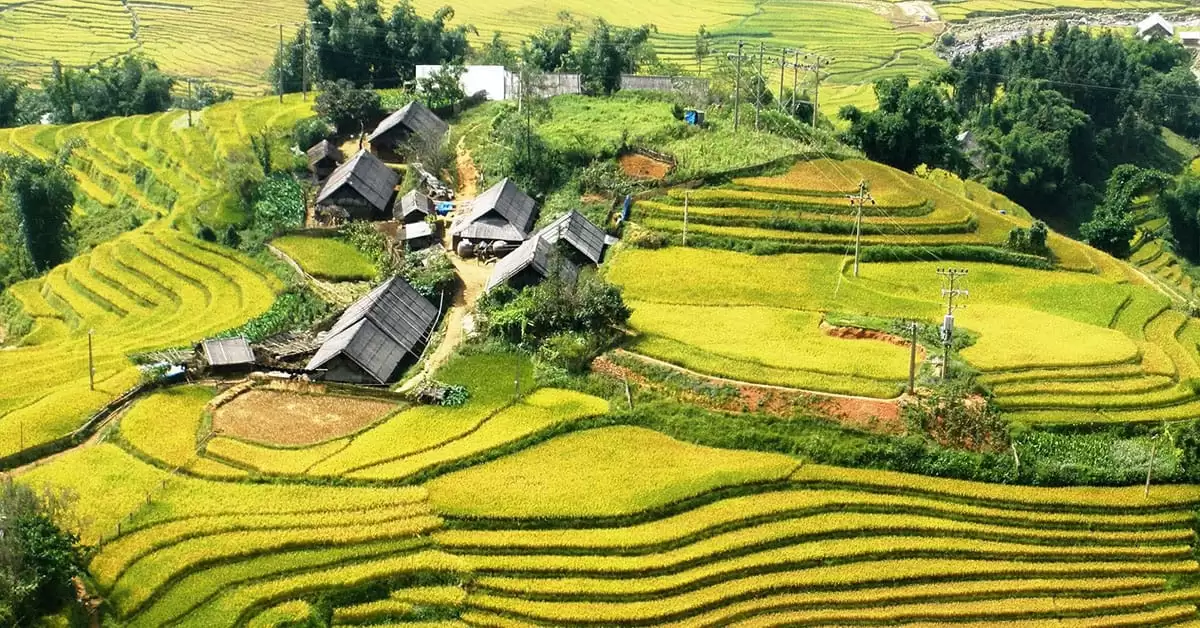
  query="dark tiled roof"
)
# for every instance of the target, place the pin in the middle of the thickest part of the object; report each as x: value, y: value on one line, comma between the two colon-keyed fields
x: 412, y: 202
x: 503, y: 212
x: 228, y: 352
x: 415, y: 117
x: 324, y: 149
x: 575, y: 229
x: 368, y: 176
x: 534, y: 253
x: 379, y: 330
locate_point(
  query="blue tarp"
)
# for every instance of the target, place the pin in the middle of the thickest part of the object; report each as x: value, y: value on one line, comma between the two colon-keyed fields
x: 444, y: 207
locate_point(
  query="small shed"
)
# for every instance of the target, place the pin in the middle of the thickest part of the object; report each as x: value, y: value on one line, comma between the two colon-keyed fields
x: 1155, y: 25
x: 530, y: 264
x: 1191, y: 39
x: 227, y: 354
x: 323, y: 159
x: 412, y: 207
x: 376, y: 336
x: 417, y: 236
x: 412, y: 126
x: 360, y: 189
x: 501, y: 215
x: 582, y: 239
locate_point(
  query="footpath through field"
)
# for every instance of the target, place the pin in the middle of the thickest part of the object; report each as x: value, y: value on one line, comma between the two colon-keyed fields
x: 471, y: 273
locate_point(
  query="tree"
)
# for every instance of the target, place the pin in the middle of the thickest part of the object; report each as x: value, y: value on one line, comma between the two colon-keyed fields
x: 346, y: 107
x: 10, y: 98
x: 497, y: 52
x: 126, y: 86
x: 913, y: 125
x: 549, y: 49
x: 40, y: 193
x: 1111, y: 227
x: 703, y: 48
x: 443, y: 88
x: 1180, y: 203
x: 37, y: 558
x: 1031, y: 139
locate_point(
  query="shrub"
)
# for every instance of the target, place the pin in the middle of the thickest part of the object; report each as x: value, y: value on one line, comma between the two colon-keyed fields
x: 643, y: 238
x: 309, y: 131
x: 950, y: 416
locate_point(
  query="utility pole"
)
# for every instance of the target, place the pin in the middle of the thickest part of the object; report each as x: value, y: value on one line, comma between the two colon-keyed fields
x: 737, y: 88
x: 912, y: 359
x: 782, y: 65
x: 858, y: 200
x: 304, y: 60
x: 279, y: 65
x: 761, y: 82
x: 816, y: 101
x: 190, y: 104
x: 795, y: 78
x: 91, y: 363
x: 950, y: 277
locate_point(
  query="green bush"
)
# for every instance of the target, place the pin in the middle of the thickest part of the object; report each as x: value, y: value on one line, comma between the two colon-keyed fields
x: 309, y: 131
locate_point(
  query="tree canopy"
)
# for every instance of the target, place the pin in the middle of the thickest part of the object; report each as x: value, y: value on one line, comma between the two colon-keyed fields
x: 128, y: 86
x: 36, y: 199
x: 913, y: 125
x: 37, y: 558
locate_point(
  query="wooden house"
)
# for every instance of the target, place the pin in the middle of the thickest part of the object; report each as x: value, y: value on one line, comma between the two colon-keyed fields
x: 501, y: 215
x: 1155, y: 26
x: 413, y: 127
x: 376, y: 336
x: 568, y: 243
x: 360, y: 189
x: 323, y: 159
x: 412, y: 207
x: 227, y: 355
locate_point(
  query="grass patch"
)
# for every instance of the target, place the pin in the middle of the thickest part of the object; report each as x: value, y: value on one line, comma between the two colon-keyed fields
x: 327, y: 258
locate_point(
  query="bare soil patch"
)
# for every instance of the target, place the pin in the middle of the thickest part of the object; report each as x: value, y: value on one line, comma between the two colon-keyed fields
x: 642, y: 167
x: 858, y: 333
x: 881, y: 416
x: 292, y: 419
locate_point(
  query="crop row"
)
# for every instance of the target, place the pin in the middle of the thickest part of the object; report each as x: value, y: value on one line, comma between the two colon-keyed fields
x: 1014, y: 599
x: 789, y: 220
x: 721, y: 197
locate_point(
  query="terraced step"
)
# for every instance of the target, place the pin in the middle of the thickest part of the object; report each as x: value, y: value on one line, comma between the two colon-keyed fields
x: 1161, y: 397
x: 721, y: 606
x: 1089, y: 388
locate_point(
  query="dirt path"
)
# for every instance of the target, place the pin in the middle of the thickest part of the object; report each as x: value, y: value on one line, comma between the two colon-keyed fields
x: 472, y: 274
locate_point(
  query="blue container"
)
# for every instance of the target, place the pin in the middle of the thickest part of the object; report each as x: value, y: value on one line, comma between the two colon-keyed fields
x: 444, y: 207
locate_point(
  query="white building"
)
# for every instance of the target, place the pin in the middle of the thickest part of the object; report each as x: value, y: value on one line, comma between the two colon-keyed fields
x: 1155, y: 26
x: 492, y: 79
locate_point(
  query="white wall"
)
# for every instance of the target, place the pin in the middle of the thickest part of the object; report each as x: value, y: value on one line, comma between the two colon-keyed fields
x: 477, y: 78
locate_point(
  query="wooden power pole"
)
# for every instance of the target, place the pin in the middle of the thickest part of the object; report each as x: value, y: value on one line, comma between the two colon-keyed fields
x: 737, y: 88
x: 759, y: 84
x: 858, y: 200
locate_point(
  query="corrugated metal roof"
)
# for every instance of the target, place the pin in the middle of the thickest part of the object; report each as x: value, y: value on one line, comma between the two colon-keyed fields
x: 324, y: 149
x: 368, y: 176
x: 417, y: 230
x: 575, y: 229
x: 503, y: 212
x: 378, y: 330
x: 228, y: 351
x: 534, y: 252
x: 415, y: 117
x: 410, y: 203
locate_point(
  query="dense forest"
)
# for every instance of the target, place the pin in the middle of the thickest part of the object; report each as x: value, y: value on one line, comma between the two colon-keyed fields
x: 1048, y: 117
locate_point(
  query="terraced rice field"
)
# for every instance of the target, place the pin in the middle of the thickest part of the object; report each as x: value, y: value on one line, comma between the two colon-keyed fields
x: 1091, y: 341
x: 958, y: 11
x: 214, y: 40
x: 204, y: 39
x: 625, y: 526
x: 153, y: 288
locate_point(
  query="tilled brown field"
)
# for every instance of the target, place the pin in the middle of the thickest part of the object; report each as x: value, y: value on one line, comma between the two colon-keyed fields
x: 279, y: 418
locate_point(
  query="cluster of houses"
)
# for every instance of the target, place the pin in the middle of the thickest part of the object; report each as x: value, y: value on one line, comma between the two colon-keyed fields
x: 1155, y: 26
x: 387, y: 330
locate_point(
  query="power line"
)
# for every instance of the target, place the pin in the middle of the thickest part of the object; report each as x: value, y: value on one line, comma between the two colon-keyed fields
x: 950, y: 277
